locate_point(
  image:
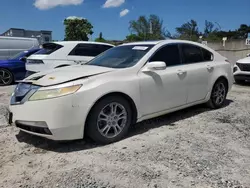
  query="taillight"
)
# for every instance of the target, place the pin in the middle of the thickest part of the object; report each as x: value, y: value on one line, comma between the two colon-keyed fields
x: 33, y: 61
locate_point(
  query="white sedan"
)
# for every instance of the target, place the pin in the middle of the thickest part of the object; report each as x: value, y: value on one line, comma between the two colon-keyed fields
x: 124, y: 85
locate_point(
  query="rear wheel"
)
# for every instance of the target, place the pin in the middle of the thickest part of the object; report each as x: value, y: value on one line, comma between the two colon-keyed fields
x: 219, y: 94
x: 109, y: 120
x: 6, y: 77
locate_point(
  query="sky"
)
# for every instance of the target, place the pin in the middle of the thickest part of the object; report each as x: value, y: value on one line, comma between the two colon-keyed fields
x: 111, y: 17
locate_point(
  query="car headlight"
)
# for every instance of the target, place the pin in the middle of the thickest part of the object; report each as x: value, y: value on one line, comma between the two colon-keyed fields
x: 53, y: 93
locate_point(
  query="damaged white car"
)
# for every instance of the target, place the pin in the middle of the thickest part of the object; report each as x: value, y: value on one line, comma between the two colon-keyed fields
x: 124, y: 85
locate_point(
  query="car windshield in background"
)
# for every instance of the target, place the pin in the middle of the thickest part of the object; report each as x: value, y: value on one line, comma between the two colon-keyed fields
x: 121, y: 56
x: 49, y: 48
x: 18, y: 55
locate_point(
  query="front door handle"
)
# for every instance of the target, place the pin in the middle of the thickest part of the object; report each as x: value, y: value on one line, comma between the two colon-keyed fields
x: 78, y: 62
x: 181, y: 72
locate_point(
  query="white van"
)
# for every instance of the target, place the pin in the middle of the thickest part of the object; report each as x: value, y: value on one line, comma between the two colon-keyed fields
x: 9, y: 46
x: 65, y: 53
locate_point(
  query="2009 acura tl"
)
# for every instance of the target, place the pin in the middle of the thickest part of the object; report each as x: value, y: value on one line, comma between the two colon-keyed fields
x: 120, y: 87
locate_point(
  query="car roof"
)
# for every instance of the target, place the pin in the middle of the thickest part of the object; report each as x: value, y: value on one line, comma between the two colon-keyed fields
x: 143, y: 43
x: 167, y: 41
x: 80, y: 42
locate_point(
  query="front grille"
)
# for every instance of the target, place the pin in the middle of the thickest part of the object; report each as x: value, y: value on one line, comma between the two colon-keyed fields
x: 39, y: 130
x: 243, y: 67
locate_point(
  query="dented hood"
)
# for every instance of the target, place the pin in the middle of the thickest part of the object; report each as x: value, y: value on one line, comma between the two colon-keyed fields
x: 65, y: 74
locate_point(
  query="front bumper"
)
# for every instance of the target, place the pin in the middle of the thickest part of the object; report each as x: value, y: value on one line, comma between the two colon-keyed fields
x: 55, y: 119
x: 241, y: 72
x: 241, y: 75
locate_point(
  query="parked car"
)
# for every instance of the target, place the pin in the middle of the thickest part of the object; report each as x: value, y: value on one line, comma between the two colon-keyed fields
x: 13, y: 69
x: 242, y: 70
x: 60, y: 54
x: 9, y: 46
x: 124, y: 85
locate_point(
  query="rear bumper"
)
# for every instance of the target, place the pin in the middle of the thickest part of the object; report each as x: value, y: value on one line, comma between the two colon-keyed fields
x: 28, y: 73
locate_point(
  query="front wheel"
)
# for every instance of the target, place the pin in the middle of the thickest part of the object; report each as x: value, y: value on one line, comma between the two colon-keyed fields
x: 6, y: 77
x: 218, y: 95
x: 109, y: 120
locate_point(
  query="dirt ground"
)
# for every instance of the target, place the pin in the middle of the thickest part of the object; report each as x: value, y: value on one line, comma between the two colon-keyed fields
x: 195, y: 147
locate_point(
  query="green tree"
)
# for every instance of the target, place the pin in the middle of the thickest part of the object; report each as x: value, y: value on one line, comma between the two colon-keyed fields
x: 100, y: 38
x: 188, y: 31
x: 147, y: 28
x: 243, y: 31
x: 209, y: 28
x: 77, y: 29
x: 133, y: 37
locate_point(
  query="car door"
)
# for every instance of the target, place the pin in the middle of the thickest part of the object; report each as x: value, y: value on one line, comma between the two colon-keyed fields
x: 163, y: 89
x: 84, y: 52
x: 198, y: 72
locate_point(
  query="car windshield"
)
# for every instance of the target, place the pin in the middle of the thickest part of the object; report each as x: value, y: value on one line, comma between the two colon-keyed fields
x: 121, y: 56
x: 18, y: 55
x: 49, y: 48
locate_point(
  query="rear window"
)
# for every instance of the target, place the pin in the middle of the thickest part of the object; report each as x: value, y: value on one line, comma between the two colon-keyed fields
x: 208, y: 56
x: 49, y: 48
x: 89, y: 50
x: 191, y: 53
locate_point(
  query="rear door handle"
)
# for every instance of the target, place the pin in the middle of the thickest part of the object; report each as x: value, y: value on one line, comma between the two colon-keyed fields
x: 209, y: 67
x: 181, y: 72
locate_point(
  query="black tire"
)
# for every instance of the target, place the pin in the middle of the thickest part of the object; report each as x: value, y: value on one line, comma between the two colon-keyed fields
x: 213, y: 103
x: 6, y: 77
x: 93, y: 125
x: 240, y: 82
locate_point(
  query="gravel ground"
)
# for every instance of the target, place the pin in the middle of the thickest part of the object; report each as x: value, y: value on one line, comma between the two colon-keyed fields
x: 195, y: 147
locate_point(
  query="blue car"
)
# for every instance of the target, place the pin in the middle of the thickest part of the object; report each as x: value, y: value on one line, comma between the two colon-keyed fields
x: 14, y: 68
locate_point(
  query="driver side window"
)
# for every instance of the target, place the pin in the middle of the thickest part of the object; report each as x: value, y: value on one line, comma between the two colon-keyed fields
x: 169, y: 54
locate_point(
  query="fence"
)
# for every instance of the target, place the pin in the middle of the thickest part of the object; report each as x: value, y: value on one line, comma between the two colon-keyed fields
x: 233, y: 50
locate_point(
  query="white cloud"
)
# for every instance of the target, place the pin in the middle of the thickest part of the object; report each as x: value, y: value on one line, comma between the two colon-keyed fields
x: 113, y: 3
x: 124, y: 12
x: 47, y: 4
x: 75, y: 18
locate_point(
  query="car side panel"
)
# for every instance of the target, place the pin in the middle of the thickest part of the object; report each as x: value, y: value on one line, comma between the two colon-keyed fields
x: 221, y: 69
x: 197, y: 80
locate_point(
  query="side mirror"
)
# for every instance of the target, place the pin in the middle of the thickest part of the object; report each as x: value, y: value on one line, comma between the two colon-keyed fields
x: 154, y: 65
x: 248, y: 55
x: 24, y: 59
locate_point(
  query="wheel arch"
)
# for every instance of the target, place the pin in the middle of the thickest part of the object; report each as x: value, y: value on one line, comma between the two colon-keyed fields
x: 223, y: 78
x: 121, y: 94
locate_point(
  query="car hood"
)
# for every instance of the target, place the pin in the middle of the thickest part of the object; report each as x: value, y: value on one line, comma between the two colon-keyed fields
x: 244, y: 60
x: 65, y: 74
x: 7, y: 61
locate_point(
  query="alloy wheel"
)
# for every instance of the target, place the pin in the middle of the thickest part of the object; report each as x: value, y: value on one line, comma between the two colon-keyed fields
x: 5, y: 77
x: 219, y: 93
x: 112, y: 119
